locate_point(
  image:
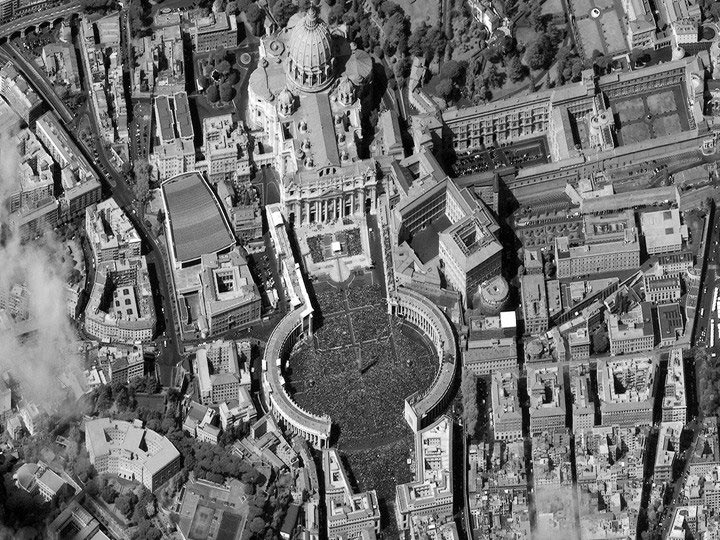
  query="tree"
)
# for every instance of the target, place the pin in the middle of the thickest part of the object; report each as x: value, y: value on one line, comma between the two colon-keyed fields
x: 147, y: 531
x: 469, y: 401
x: 416, y: 41
x: 125, y: 503
x: 282, y: 10
x: 540, y: 54
x: 452, y: 70
x: 105, y: 399
x: 600, y: 341
x: 213, y: 94
x: 227, y: 92
x: 396, y: 30
x: 715, y: 10
x: 444, y: 89
x: 108, y: 493
x: 223, y: 67
x: 257, y: 525
x: 142, y: 179
x: 516, y: 69
x: 495, y: 78
x: 254, y: 15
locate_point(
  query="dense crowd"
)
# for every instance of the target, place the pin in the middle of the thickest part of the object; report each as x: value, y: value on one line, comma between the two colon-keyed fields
x: 370, y: 323
x: 316, y: 248
x: 368, y: 295
x: 332, y: 336
x: 363, y: 391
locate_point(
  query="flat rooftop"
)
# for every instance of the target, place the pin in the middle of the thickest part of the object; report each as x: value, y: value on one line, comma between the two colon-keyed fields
x: 196, y: 220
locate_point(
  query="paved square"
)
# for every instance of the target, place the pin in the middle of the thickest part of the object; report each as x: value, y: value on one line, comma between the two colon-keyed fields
x: 590, y: 37
x: 612, y: 32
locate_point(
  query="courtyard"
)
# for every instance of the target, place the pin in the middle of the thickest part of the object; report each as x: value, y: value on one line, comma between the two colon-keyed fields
x: 650, y: 115
x: 359, y: 367
x: 599, y: 26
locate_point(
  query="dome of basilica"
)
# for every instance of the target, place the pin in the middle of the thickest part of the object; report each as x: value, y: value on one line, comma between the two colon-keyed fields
x: 310, y: 60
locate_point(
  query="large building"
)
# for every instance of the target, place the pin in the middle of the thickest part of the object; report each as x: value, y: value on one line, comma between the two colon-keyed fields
x: 222, y: 505
x: 547, y: 398
x: 215, y: 31
x: 15, y: 89
x: 131, y: 452
x: 307, y: 121
x: 492, y: 344
x: 225, y: 146
x: 668, y: 450
x: 121, y: 363
x: 348, y: 513
x: 222, y: 368
x: 121, y: 306
x: 674, y: 403
x: 626, y: 390
x: 663, y: 231
x: 609, y: 244
x: 175, y: 153
x: 447, y: 228
x: 430, y: 495
x: 632, y: 331
x: 110, y: 232
x: 213, y: 285
x: 506, y: 415
x: 534, y: 303
x: 662, y: 289
x: 583, y: 404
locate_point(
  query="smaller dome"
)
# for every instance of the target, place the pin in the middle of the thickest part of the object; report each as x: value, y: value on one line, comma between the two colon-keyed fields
x: 286, y: 98
x: 345, y: 86
x: 285, y: 102
x: 359, y: 67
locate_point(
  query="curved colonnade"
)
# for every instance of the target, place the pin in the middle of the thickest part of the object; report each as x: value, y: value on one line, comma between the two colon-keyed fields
x: 420, y: 409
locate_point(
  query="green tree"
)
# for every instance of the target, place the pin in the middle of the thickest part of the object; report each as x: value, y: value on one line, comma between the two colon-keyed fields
x: 516, y: 69
x: 254, y: 16
x: 452, y: 70
x: 416, y: 41
x: 227, y: 92
x: 444, y: 89
x: 541, y: 53
x: 108, y: 493
x: 223, y: 67
x: 469, y: 401
x: 141, y: 188
x: 495, y: 77
x: 600, y: 341
x: 282, y: 10
x: 125, y: 503
x: 213, y: 94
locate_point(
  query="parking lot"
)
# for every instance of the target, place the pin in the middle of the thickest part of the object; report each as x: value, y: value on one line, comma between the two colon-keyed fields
x: 520, y: 154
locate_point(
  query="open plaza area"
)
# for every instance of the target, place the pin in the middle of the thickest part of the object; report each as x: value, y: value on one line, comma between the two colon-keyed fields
x: 651, y: 115
x: 335, y: 249
x: 359, y: 367
x: 599, y: 26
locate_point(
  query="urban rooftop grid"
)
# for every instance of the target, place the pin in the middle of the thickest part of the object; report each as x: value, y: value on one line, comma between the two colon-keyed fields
x: 359, y: 269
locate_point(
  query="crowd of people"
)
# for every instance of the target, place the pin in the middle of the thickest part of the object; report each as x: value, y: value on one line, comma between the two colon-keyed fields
x: 315, y: 244
x: 370, y: 323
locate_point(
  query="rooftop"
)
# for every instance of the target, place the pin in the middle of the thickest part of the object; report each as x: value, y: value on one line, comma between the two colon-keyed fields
x: 106, y: 436
x: 196, y: 218
x: 626, y: 380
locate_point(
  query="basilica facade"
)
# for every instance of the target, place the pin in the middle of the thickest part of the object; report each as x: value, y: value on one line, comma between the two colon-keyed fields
x: 304, y: 109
